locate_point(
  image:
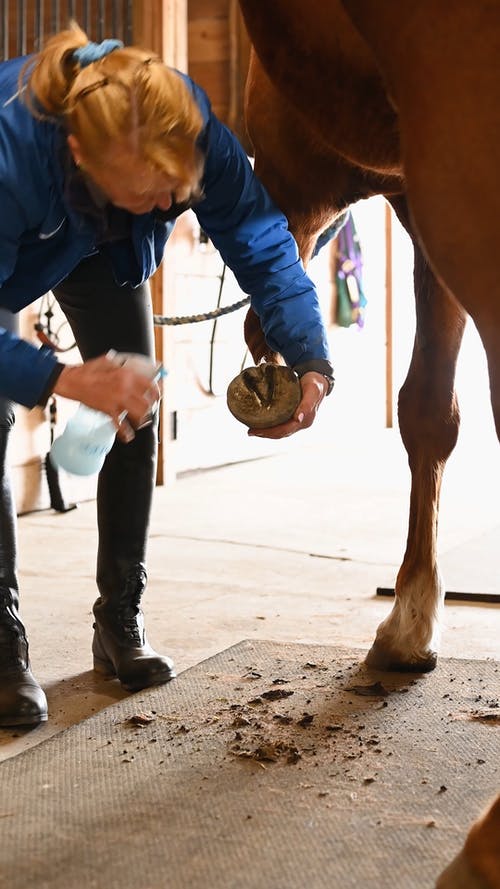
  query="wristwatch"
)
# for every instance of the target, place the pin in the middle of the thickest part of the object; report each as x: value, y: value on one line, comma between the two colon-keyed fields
x: 320, y: 366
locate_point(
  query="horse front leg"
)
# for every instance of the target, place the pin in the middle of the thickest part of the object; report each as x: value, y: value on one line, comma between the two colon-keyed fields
x: 429, y: 422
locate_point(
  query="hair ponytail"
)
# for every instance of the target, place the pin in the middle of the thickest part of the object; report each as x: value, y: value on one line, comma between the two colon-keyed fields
x: 52, y: 72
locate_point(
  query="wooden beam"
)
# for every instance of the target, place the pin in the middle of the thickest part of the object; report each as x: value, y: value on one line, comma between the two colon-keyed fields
x: 161, y: 25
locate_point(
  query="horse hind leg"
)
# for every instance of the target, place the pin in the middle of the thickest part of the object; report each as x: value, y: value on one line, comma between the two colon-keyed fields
x: 429, y: 421
x: 477, y: 866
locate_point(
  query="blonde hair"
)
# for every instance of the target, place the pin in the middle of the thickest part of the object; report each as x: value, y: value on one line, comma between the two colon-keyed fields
x: 127, y: 97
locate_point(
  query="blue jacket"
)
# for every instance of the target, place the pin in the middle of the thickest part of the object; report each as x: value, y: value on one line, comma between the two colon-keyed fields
x: 42, y: 239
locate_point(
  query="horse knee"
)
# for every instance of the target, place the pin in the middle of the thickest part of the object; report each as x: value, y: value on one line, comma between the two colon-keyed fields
x: 428, y: 419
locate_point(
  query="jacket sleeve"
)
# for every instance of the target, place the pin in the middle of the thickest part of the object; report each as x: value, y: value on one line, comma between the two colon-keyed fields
x: 12, y: 225
x: 24, y: 369
x: 252, y: 237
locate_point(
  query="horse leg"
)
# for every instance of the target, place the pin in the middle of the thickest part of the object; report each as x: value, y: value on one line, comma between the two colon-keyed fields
x: 429, y: 422
x: 477, y: 866
x: 449, y: 141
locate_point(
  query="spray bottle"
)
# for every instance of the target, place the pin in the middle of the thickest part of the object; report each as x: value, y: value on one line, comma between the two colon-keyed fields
x: 89, y: 434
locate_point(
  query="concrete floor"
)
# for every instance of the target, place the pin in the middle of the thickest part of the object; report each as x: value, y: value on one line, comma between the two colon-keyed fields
x: 289, y: 547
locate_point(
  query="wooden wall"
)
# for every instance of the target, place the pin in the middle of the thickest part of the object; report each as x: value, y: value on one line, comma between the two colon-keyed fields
x: 218, y: 52
x: 208, y: 50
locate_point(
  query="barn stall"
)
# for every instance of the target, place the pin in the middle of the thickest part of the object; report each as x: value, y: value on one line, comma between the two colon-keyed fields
x: 392, y: 813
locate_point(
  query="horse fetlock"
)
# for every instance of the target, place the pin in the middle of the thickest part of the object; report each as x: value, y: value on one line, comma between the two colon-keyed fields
x: 406, y: 641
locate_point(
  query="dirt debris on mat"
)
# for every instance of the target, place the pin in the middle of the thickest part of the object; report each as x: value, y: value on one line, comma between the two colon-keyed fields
x: 309, y: 712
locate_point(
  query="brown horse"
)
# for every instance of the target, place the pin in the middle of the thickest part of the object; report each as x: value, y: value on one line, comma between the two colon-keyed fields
x: 355, y: 98
x: 399, y: 100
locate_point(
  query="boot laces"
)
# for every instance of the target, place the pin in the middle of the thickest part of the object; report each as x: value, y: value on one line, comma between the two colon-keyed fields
x: 130, y: 605
x: 13, y: 642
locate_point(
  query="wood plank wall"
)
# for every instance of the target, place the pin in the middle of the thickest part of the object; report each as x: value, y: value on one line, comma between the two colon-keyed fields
x: 208, y: 50
x: 218, y: 53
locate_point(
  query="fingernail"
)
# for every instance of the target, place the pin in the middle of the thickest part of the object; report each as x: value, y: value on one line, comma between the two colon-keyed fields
x: 300, y: 418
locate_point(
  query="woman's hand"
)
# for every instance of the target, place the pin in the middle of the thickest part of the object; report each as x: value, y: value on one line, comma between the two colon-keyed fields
x: 126, y: 395
x: 314, y: 388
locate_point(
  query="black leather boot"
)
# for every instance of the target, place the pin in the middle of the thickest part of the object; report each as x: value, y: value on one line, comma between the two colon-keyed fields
x: 22, y: 701
x: 120, y: 647
x: 124, y: 496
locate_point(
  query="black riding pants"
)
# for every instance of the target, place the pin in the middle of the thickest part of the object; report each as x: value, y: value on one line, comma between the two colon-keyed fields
x: 105, y: 316
x: 102, y: 316
x: 8, y: 520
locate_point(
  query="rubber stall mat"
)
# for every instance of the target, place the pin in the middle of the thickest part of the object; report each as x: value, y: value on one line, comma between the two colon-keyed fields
x: 268, y: 766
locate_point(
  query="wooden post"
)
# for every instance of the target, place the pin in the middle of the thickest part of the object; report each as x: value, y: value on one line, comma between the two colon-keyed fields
x: 161, y: 26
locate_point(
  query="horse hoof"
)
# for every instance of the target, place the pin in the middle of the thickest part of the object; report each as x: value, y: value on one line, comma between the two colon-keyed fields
x: 264, y: 396
x: 380, y: 658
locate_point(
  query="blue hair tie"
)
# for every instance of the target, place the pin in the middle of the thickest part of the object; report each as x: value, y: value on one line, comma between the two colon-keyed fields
x: 92, y: 52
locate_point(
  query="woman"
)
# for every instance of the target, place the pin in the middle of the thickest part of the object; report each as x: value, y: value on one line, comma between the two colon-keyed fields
x: 101, y: 148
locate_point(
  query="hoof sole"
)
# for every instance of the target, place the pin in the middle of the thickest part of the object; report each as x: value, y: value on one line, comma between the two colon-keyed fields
x: 264, y: 396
